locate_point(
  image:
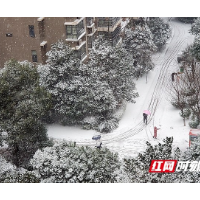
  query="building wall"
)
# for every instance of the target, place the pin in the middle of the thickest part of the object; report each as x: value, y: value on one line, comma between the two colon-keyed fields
x: 18, y: 46
x: 48, y: 30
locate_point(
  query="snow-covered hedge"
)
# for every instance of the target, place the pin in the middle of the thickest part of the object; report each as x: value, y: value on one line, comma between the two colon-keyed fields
x: 68, y: 163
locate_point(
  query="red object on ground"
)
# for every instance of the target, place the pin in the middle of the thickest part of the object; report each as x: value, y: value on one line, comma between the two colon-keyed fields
x: 155, y: 131
x: 193, y: 134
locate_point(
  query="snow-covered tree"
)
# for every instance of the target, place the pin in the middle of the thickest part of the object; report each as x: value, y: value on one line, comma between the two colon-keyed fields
x: 195, y: 49
x: 114, y: 66
x: 22, y: 104
x: 9, y: 173
x: 139, y: 43
x: 76, y: 92
x: 187, y: 19
x: 195, y: 28
x: 160, y: 30
x: 137, y: 168
x: 68, y: 163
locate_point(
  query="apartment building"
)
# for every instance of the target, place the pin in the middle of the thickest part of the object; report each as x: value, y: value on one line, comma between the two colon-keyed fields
x: 29, y: 38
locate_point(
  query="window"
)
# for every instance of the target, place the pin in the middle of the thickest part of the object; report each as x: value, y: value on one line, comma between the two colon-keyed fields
x: 74, y: 31
x: 71, y: 32
x: 31, y: 31
x: 34, y: 56
x: 8, y: 34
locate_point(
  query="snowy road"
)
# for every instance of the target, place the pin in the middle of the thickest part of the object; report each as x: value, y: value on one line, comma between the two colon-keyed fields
x: 132, y: 134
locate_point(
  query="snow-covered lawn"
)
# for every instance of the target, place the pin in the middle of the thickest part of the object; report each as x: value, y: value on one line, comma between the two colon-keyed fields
x: 131, y: 135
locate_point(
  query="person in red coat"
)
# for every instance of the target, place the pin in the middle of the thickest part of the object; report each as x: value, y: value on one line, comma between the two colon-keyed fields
x: 155, y: 132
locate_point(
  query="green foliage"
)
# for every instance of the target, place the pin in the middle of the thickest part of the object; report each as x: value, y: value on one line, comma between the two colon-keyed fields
x: 114, y: 66
x: 17, y: 177
x: 177, y: 103
x: 107, y: 125
x: 138, y: 168
x: 139, y: 44
x: 160, y: 30
x: 194, y: 123
x: 76, y: 90
x: 185, y: 113
x: 195, y: 49
x: 187, y: 19
x: 68, y: 163
x: 195, y: 28
x: 22, y: 104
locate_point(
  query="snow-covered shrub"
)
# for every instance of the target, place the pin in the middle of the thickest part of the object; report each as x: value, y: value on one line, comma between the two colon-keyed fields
x: 177, y: 104
x: 10, y: 174
x: 68, y: 163
x: 186, y: 113
x: 107, y: 125
x: 90, y: 122
x: 187, y: 19
x: 195, y: 49
x: 193, y: 123
x: 195, y: 28
x: 120, y: 111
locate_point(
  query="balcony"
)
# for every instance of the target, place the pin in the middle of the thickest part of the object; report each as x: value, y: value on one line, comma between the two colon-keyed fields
x: 108, y: 24
x: 75, y: 32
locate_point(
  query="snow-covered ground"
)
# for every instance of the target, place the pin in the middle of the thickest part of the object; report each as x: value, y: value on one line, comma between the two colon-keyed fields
x: 131, y: 135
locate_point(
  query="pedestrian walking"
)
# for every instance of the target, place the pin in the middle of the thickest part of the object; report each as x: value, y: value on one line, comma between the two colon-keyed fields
x: 155, y: 132
x: 145, y: 118
x: 98, y: 145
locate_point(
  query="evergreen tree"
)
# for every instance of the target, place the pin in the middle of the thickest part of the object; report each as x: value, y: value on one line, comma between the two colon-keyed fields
x: 195, y: 28
x: 68, y: 163
x: 76, y: 92
x: 138, y: 168
x: 114, y: 66
x: 187, y: 19
x: 195, y: 49
x: 139, y: 43
x: 10, y: 174
x: 22, y: 104
x: 160, y: 30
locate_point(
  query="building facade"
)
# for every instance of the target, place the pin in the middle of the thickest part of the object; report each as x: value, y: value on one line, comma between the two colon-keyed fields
x: 29, y: 38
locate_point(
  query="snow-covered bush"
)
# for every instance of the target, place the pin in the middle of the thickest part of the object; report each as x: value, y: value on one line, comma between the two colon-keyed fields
x: 195, y: 49
x: 137, y: 169
x: 187, y: 19
x: 177, y: 104
x: 194, y: 123
x: 10, y: 174
x: 119, y: 111
x: 195, y: 28
x: 90, y: 122
x: 186, y: 113
x: 107, y: 125
x: 68, y: 163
